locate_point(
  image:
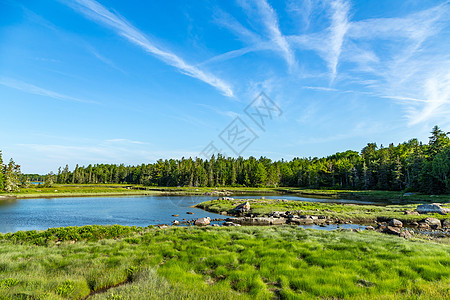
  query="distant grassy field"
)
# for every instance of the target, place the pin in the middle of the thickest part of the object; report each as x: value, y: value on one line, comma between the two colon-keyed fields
x: 356, y: 213
x: 219, y: 263
x: 68, y: 190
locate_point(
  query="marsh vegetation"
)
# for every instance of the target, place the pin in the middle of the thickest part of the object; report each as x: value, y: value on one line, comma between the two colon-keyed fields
x: 222, y: 263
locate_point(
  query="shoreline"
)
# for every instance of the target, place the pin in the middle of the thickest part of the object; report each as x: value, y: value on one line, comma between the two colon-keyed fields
x: 281, y: 211
x: 93, y: 190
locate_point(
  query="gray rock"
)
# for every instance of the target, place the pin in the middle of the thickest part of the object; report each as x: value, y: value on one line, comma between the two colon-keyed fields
x: 405, y: 234
x: 302, y: 221
x: 244, y: 207
x: 395, y: 223
x: 258, y: 221
x: 370, y: 228
x: 319, y: 221
x: 432, y: 209
x: 446, y: 223
x: 381, y: 228
x: 230, y: 224
x: 278, y: 214
x: 410, y: 212
x: 392, y: 230
x: 203, y: 221
x: 433, y: 223
x: 424, y: 226
x: 278, y: 221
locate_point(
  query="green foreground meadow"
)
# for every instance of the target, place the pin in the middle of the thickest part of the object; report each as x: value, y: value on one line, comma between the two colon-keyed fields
x: 284, y: 262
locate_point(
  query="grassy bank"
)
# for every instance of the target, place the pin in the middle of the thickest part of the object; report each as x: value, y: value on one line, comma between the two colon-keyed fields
x: 219, y: 263
x: 356, y: 213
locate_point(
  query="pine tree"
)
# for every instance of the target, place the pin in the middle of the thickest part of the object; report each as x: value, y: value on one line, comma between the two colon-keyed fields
x: 49, y: 180
x: 2, y: 172
x: 12, y: 177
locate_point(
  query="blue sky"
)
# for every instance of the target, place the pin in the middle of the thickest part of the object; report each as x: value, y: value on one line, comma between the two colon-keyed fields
x: 112, y: 81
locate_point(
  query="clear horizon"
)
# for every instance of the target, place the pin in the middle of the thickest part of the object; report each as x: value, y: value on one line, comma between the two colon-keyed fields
x: 87, y: 82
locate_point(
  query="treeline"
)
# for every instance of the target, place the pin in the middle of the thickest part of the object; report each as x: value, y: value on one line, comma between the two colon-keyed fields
x: 410, y: 166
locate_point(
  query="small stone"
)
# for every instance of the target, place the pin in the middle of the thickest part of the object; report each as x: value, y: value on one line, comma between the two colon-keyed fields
x: 231, y: 224
x: 381, y: 228
x: 405, y: 234
x: 189, y: 213
x: 395, y: 223
x: 410, y: 212
x: 202, y: 221
x: 446, y: 223
x: 244, y: 207
x: 370, y: 228
x: 392, y: 230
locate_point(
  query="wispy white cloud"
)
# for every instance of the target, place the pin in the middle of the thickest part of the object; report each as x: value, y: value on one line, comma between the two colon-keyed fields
x: 227, y: 21
x: 254, y: 41
x: 338, y: 29
x: 103, y: 59
x: 414, y: 64
x: 125, y: 141
x: 320, y: 88
x: 239, y: 52
x: 270, y: 21
x: 437, y: 92
x: 400, y: 58
x: 227, y: 113
x: 35, y: 90
x: 97, y: 12
x: 402, y: 98
x: 270, y: 39
x: 303, y: 9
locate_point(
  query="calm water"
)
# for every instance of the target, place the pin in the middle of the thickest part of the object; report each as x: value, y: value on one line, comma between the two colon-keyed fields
x: 43, y: 213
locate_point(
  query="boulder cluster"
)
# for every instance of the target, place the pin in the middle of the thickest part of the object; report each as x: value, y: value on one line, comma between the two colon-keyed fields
x: 426, y: 225
x: 394, y: 227
x: 218, y: 193
x: 287, y: 217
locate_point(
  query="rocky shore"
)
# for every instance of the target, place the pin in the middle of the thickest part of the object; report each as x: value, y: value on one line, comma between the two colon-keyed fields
x: 243, y: 216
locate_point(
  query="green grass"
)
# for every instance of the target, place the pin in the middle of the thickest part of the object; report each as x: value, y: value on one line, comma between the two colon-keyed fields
x: 220, y: 263
x: 356, y: 213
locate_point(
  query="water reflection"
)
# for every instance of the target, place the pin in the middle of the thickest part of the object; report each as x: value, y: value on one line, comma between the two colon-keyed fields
x: 44, y: 213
